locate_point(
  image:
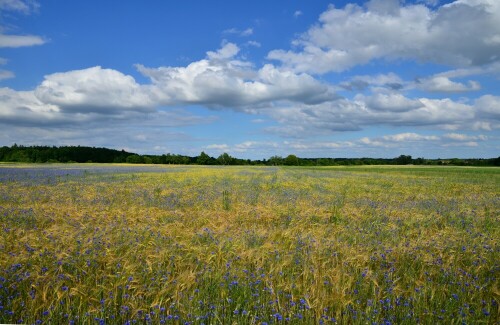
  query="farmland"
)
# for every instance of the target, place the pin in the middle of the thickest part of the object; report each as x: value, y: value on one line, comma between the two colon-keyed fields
x: 91, y: 244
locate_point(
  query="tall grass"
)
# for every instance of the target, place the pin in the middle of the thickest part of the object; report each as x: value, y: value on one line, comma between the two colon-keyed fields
x: 248, y: 245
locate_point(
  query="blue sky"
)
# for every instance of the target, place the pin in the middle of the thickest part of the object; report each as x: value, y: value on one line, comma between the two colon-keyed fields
x: 254, y: 79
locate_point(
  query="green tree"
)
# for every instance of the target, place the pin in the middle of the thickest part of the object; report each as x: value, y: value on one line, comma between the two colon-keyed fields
x: 225, y: 159
x: 135, y: 159
x: 20, y: 156
x: 203, y: 159
x: 291, y: 160
x: 403, y: 160
x: 276, y: 161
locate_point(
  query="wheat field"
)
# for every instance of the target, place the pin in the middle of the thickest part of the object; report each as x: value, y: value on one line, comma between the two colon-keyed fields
x: 122, y: 244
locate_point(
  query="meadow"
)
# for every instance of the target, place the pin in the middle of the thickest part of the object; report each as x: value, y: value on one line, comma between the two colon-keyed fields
x: 123, y: 244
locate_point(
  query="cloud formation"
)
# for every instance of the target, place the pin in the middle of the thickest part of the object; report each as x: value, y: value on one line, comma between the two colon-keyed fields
x: 94, y: 89
x: 244, y: 32
x: 24, y: 7
x: 462, y: 34
x: 395, y: 110
x: 20, y: 40
x: 221, y: 80
x: 446, y: 85
x: 285, y: 94
x: 396, y: 143
x: 301, y: 105
x: 224, y: 81
x: 23, y: 108
x: 5, y: 74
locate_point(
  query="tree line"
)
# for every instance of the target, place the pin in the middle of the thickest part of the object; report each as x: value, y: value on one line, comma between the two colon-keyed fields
x: 81, y: 154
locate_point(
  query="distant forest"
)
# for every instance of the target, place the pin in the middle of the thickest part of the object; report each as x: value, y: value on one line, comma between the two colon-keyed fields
x: 79, y: 154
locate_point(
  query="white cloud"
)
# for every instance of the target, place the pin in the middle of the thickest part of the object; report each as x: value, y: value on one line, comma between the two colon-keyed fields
x: 484, y: 125
x: 23, y: 108
x: 461, y: 33
x: 258, y: 120
x: 491, y: 69
x: 415, y: 140
x: 462, y: 144
x: 303, y: 121
x: 444, y: 84
x: 222, y: 80
x: 409, y: 137
x: 465, y: 137
x: 395, y: 144
x: 247, y: 32
x: 488, y: 106
x: 228, y: 51
x: 430, y: 2
x: 4, y: 74
x: 244, y: 32
x: 218, y: 147
x: 13, y: 41
x: 390, y: 102
x: 244, y: 147
x: 94, y: 90
x: 24, y: 7
x: 439, y: 82
x: 300, y: 106
x: 360, y: 83
x: 318, y: 145
x: 20, y: 40
x: 253, y: 43
x: 306, y: 121
x: 297, y: 13
x: 219, y: 81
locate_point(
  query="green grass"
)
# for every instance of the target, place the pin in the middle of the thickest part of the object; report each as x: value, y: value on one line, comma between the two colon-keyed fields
x: 250, y: 245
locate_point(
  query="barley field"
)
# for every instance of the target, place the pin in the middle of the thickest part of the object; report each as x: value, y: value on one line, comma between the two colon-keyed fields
x: 123, y: 244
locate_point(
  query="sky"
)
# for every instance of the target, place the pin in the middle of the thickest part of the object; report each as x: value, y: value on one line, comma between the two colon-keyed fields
x: 377, y: 78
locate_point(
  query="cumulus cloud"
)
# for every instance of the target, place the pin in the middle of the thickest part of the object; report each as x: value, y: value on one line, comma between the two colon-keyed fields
x: 228, y: 51
x: 297, y: 105
x: 223, y: 80
x: 302, y: 121
x: 23, y: 108
x: 437, y: 83
x: 390, y: 102
x: 488, y: 106
x: 93, y: 90
x: 414, y: 139
x: 462, y: 33
x: 444, y: 84
x: 489, y: 69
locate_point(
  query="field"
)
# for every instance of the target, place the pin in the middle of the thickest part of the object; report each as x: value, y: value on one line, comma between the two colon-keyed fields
x: 91, y: 244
